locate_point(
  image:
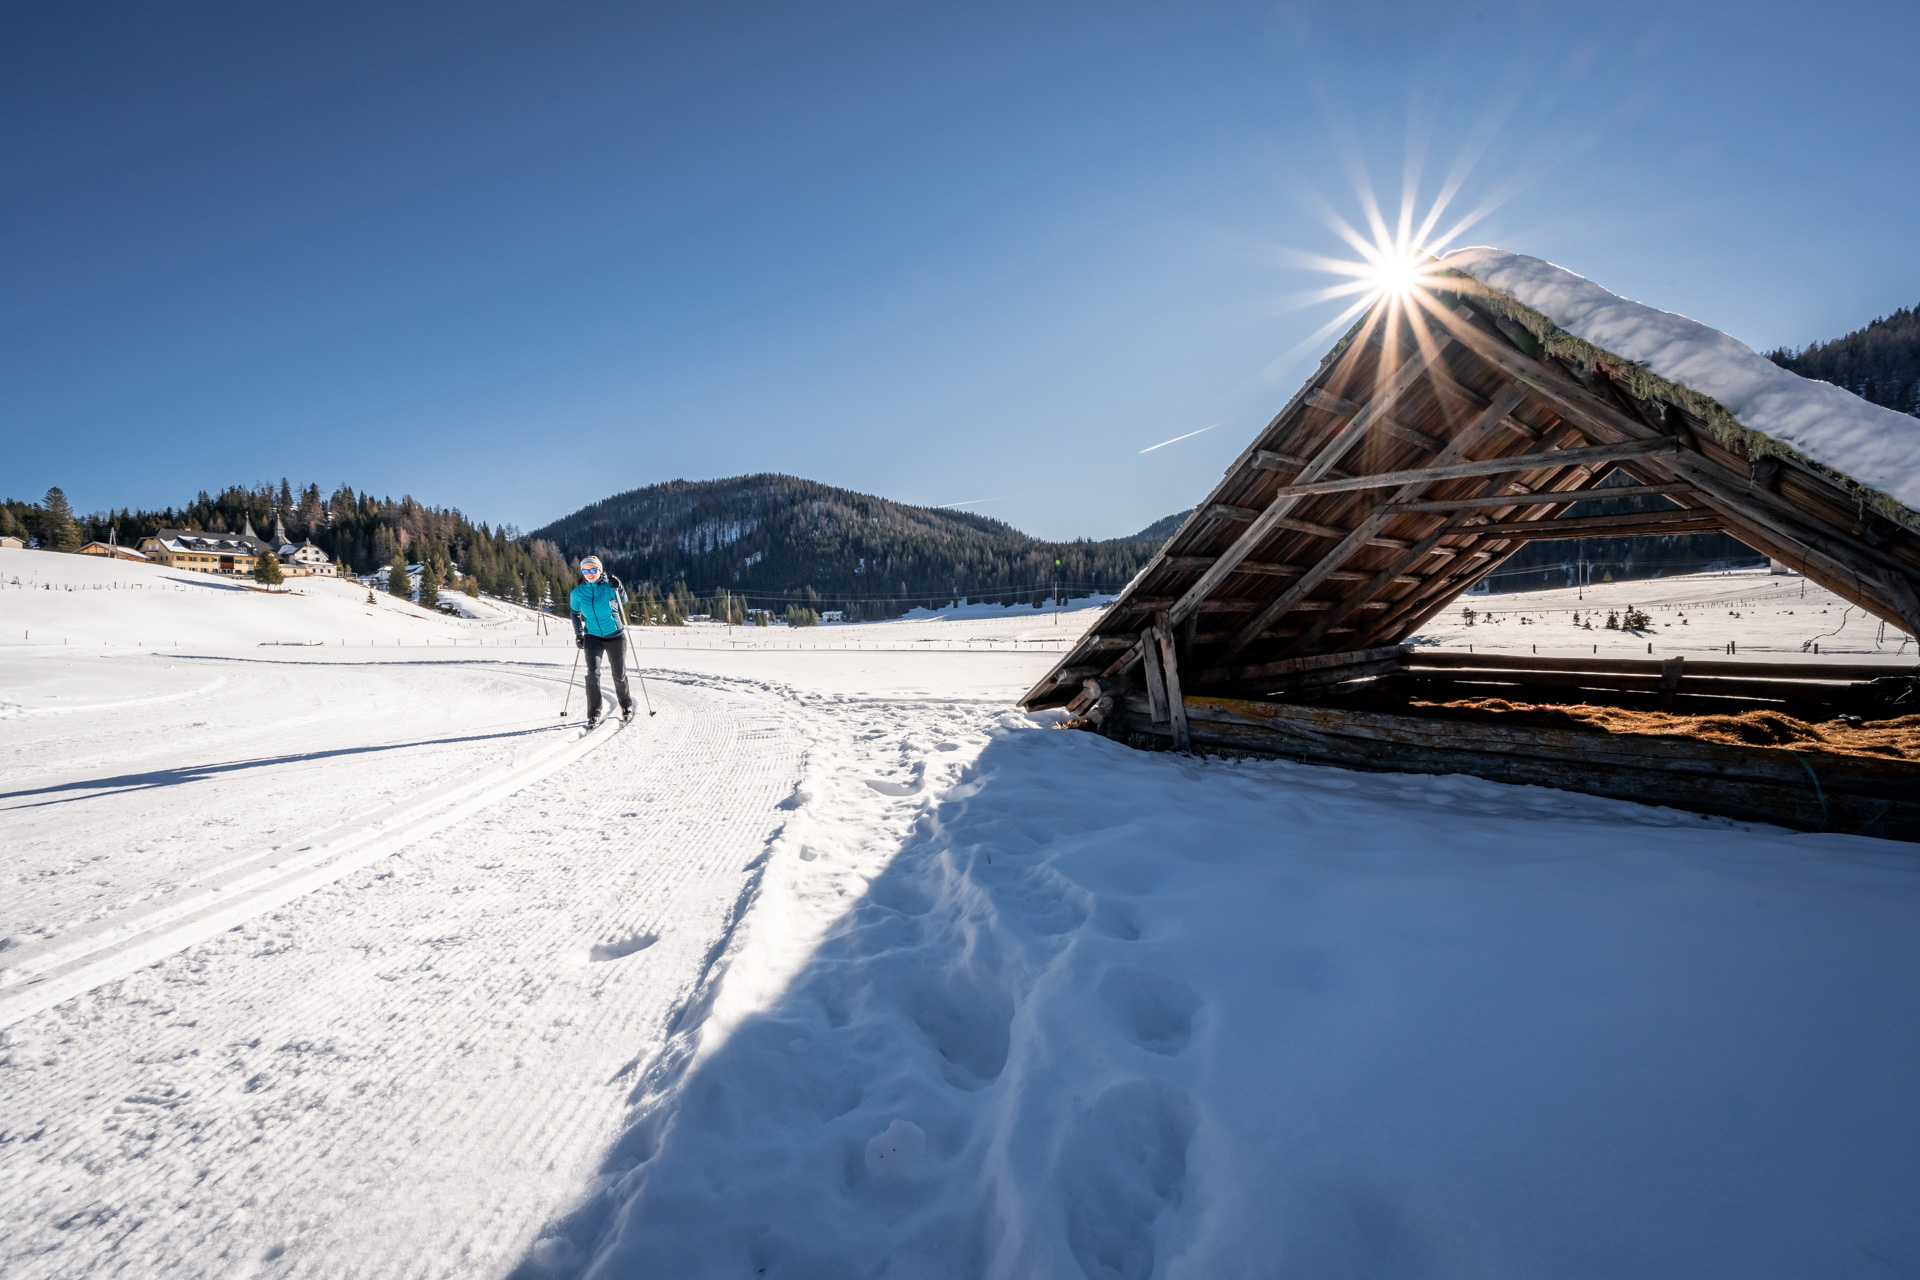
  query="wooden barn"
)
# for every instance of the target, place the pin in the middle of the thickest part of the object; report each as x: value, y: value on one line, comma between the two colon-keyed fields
x: 1458, y: 420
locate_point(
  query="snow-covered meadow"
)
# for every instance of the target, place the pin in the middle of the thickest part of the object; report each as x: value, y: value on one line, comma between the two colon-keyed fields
x: 841, y: 966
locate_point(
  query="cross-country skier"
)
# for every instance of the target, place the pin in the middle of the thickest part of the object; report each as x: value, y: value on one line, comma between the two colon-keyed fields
x: 599, y: 627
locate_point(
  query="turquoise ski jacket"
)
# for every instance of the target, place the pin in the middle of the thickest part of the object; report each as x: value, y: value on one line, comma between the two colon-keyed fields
x: 597, y: 609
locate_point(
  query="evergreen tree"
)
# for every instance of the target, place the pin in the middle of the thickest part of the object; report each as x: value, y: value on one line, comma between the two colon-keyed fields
x: 58, y: 532
x: 430, y: 582
x: 472, y: 587
x: 397, y: 583
x: 266, y: 570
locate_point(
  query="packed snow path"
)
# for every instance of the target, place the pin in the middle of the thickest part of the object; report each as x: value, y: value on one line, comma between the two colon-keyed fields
x: 404, y: 1072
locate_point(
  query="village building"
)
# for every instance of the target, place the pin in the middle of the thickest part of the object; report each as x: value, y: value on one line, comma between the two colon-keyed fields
x: 1460, y: 418
x: 12, y: 543
x: 303, y: 560
x: 113, y: 551
x: 197, y: 551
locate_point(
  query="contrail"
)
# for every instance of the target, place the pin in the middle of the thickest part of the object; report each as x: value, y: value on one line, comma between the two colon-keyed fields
x: 970, y: 502
x: 1177, y: 439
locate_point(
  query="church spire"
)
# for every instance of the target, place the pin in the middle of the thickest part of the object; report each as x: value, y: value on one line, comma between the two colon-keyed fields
x: 279, y: 531
x: 248, y: 531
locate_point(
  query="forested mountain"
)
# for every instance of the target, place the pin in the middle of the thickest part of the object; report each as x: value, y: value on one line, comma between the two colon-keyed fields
x: 1880, y: 363
x: 778, y: 540
x: 1163, y: 528
x: 360, y: 532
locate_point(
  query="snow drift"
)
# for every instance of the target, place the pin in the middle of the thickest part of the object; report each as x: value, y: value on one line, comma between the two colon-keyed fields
x: 1108, y: 1013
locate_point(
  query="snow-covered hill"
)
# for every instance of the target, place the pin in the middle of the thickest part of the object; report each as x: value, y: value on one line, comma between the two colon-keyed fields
x: 89, y: 602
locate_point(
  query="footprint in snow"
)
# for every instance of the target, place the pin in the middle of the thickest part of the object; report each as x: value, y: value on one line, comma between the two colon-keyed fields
x: 1155, y: 1013
x: 621, y: 948
x: 1123, y: 1164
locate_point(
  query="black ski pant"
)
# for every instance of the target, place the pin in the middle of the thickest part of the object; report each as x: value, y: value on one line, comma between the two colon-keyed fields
x: 615, y: 650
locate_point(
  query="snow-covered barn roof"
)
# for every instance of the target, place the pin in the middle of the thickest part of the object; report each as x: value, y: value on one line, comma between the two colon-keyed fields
x: 1452, y: 425
x: 1855, y: 440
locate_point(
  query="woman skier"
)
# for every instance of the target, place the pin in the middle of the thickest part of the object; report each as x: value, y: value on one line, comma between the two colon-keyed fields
x: 599, y: 627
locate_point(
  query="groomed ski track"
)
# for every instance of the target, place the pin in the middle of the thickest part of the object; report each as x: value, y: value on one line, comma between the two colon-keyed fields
x: 489, y: 966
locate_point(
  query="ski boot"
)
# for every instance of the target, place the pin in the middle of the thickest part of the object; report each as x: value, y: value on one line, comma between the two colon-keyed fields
x: 626, y: 714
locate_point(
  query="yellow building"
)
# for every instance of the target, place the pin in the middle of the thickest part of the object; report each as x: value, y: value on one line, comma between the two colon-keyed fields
x: 227, y: 554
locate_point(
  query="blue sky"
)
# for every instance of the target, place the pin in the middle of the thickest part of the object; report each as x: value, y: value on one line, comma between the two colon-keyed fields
x: 516, y: 258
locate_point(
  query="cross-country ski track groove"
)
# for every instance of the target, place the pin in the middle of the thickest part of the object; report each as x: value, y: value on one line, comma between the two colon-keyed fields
x: 252, y: 886
x: 209, y: 1114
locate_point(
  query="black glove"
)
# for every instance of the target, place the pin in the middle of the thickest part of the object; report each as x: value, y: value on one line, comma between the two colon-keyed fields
x: 579, y: 642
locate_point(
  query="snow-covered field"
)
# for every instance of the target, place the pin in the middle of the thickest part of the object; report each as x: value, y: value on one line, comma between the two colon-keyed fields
x: 353, y: 959
x: 1764, y: 616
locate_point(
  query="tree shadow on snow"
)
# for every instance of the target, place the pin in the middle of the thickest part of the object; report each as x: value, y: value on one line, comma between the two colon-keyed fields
x: 120, y: 784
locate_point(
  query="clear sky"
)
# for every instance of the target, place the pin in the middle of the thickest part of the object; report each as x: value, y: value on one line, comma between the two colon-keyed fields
x: 513, y: 258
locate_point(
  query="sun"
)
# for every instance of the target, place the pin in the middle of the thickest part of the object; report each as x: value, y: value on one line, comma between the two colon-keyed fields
x: 1391, y: 260
x: 1397, y: 273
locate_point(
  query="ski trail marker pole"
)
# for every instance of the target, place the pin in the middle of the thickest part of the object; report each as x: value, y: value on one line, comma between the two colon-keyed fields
x: 627, y: 633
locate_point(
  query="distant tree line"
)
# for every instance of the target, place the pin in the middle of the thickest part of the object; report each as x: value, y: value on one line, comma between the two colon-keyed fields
x: 771, y: 543
x: 1880, y: 363
x: 360, y: 532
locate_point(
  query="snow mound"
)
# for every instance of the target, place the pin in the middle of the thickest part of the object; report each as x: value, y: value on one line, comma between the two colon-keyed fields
x: 1876, y: 447
x: 1070, y: 1009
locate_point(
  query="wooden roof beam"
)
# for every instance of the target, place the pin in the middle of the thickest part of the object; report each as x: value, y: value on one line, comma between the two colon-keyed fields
x: 1369, y: 529
x: 1628, y: 525
x: 1518, y: 500
x: 1341, y: 407
x: 1513, y: 464
x: 1427, y: 546
x: 1329, y: 456
x: 1270, y: 460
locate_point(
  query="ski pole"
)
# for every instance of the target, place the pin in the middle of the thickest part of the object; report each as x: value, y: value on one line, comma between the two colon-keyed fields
x: 576, y: 667
x: 626, y: 632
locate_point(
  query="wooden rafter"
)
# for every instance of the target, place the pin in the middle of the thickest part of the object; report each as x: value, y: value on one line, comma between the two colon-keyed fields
x: 1420, y: 456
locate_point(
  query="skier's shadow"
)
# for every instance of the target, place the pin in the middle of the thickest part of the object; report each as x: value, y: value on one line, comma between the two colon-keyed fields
x: 121, y: 784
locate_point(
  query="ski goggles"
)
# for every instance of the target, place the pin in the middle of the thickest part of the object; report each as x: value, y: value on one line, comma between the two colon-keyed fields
x: 590, y: 571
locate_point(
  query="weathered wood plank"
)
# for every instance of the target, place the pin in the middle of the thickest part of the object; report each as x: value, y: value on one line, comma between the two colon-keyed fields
x: 1329, y: 456
x: 1835, y: 693
x: 1156, y: 680
x: 1227, y: 511
x: 1861, y: 774
x: 1293, y: 666
x: 1520, y: 499
x: 1808, y: 792
x: 1170, y: 672
x: 1189, y: 563
x: 1496, y: 414
x: 1653, y: 524
x: 1513, y: 463
x: 1368, y: 531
